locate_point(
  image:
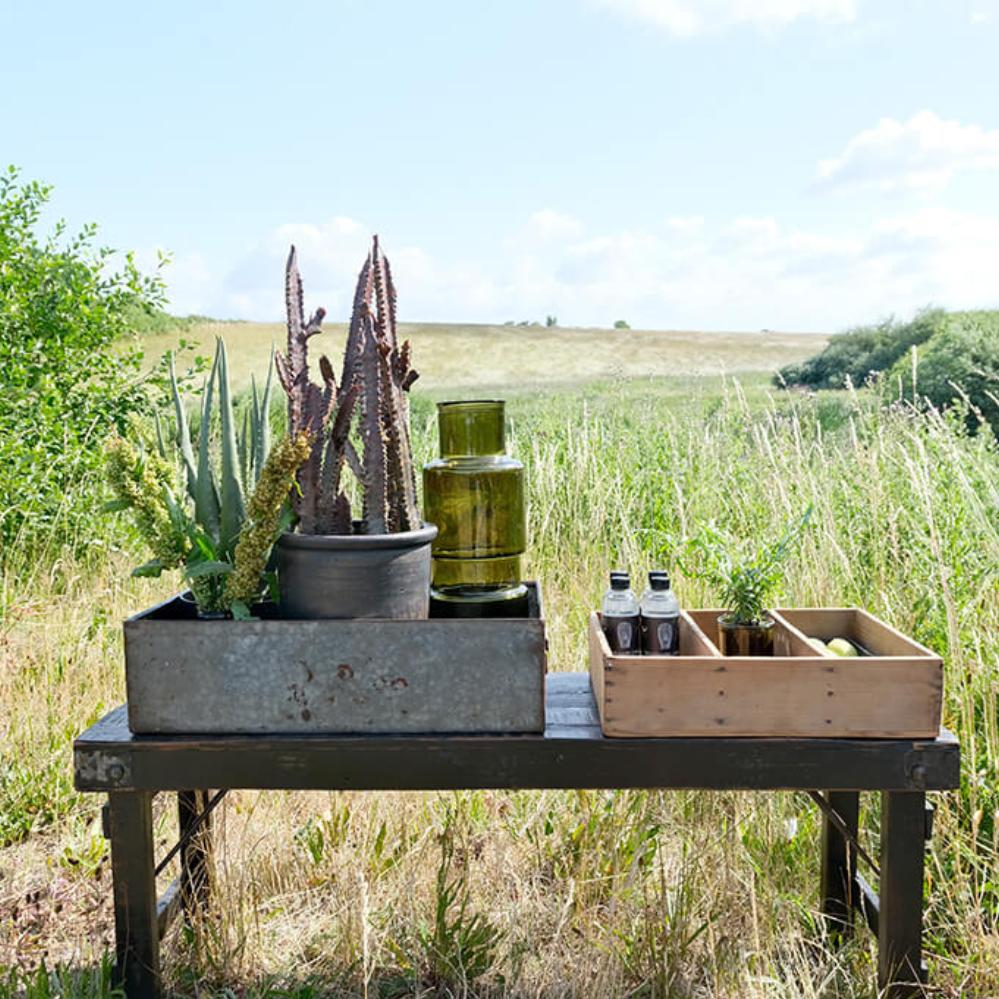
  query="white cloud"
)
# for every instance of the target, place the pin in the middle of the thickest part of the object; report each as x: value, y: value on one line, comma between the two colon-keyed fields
x: 684, y: 18
x: 553, y: 225
x: 746, y: 273
x: 984, y: 12
x: 685, y: 223
x: 924, y: 152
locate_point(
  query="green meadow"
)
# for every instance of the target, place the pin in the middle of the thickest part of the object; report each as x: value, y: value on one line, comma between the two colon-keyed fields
x: 631, y: 440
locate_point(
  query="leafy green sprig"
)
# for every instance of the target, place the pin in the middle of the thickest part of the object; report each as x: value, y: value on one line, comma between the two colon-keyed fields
x: 746, y: 576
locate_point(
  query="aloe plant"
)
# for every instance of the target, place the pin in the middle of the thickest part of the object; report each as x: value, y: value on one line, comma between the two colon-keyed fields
x: 375, y: 377
x: 209, y: 524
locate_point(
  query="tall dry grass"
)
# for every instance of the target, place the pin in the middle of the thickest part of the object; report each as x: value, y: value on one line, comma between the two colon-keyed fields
x: 557, y: 893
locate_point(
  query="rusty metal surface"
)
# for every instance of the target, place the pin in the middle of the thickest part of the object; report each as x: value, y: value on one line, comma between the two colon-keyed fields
x: 334, y: 676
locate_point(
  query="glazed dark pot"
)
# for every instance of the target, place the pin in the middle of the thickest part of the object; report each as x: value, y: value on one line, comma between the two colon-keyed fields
x: 355, y: 575
x: 746, y: 639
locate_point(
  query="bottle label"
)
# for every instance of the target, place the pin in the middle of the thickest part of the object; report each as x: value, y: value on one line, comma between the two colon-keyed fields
x: 622, y: 634
x: 661, y: 636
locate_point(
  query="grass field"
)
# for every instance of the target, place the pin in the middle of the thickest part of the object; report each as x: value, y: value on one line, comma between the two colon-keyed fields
x: 586, y: 894
x: 509, y: 357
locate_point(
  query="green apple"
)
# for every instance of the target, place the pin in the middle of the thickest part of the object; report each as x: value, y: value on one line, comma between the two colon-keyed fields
x: 841, y: 647
x: 820, y: 646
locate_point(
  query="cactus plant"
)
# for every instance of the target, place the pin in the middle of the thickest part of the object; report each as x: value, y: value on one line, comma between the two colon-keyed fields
x: 375, y: 378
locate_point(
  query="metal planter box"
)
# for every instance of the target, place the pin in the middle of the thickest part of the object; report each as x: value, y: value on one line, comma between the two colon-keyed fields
x: 363, y: 676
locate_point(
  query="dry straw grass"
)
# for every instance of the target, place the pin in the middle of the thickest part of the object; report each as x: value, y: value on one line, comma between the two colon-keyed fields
x: 454, y: 356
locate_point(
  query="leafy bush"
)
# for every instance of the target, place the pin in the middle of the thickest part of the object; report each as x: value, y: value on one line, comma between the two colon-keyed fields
x: 959, y: 364
x: 68, y: 374
x: 148, y: 320
x: 862, y: 351
x: 621, y: 324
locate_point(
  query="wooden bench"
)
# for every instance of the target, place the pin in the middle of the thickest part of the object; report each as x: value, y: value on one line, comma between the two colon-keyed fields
x: 572, y: 753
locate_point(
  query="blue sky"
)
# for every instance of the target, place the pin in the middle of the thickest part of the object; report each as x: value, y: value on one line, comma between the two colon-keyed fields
x: 716, y: 164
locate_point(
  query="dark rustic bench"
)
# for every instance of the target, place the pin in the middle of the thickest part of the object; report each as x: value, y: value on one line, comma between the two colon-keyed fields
x: 572, y: 753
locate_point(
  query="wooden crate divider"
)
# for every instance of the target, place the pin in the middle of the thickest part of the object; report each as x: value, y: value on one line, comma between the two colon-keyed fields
x: 894, y: 690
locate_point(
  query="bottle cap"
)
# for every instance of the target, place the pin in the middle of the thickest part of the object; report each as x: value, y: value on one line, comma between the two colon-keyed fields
x: 620, y: 581
x: 659, y: 579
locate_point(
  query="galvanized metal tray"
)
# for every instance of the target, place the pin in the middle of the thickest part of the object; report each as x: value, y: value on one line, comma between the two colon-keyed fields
x: 365, y: 676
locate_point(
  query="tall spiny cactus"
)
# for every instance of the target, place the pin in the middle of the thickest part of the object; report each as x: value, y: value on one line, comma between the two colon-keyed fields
x: 386, y: 376
x: 376, y: 375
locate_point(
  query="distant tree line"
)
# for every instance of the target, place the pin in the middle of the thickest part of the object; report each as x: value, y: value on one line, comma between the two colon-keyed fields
x: 551, y: 321
x: 956, y: 360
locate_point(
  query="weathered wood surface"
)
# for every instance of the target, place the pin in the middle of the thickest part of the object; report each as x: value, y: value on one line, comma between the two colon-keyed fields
x: 892, y: 694
x: 900, y: 915
x: 839, y: 863
x: 571, y: 753
x: 137, y: 916
x: 334, y: 676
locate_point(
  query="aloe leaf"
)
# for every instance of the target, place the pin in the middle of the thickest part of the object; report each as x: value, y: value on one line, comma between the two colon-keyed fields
x: 206, y: 504
x: 183, y: 434
x: 262, y: 437
x: 152, y: 569
x: 199, y: 569
x: 251, y: 470
x: 233, y: 508
x: 240, y: 611
x: 244, y: 445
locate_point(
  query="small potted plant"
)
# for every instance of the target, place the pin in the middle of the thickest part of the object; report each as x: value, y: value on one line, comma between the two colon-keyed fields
x: 336, y: 565
x: 198, y: 518
x: 746, y: 578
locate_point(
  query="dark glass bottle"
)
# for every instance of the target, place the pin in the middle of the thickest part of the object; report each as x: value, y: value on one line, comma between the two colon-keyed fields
x: 474, y: 493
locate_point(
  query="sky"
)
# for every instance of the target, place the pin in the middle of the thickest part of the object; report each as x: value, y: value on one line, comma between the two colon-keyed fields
x: 679, y: 164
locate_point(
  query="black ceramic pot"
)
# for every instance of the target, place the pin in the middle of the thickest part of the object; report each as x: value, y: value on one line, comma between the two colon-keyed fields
x: 355, y: 575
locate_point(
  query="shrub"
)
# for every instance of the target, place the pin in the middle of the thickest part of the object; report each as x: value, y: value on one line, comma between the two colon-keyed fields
x: 621, y: 324
x: 68, y: 373
x: 862, y: 351
x: 959, y: 364
x: 148, y: 320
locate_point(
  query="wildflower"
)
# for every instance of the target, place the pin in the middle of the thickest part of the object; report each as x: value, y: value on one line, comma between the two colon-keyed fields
x: 263, y: 517
x: 142, y: 482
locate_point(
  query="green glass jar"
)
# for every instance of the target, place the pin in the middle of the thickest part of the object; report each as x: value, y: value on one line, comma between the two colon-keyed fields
x: 474, y: 493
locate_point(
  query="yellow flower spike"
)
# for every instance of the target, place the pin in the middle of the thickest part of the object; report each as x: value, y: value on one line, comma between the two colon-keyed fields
x: 263, y: 517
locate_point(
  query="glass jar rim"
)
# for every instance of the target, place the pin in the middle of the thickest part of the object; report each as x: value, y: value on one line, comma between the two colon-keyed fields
x: 471, y: 402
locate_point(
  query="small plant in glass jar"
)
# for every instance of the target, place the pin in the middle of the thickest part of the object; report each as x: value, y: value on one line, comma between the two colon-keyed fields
x: 746, y: 577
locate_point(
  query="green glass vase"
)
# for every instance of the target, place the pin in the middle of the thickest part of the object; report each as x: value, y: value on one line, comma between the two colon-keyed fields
x: 474, y: 493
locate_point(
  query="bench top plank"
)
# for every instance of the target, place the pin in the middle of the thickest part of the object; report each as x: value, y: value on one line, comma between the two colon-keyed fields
x: 572, y: 753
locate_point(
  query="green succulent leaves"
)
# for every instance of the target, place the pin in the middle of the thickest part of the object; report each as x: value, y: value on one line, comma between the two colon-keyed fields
x: 218, y: 537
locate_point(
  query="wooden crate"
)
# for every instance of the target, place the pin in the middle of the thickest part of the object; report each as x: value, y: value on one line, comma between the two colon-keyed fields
x: 893, y: 692
x: 364, y: 676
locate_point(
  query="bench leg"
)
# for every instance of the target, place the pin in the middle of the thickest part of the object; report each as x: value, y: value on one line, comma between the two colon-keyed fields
x: 195, y: 855
x: 900, y: 924
x: 839, y: 863
x: 130, y: 822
